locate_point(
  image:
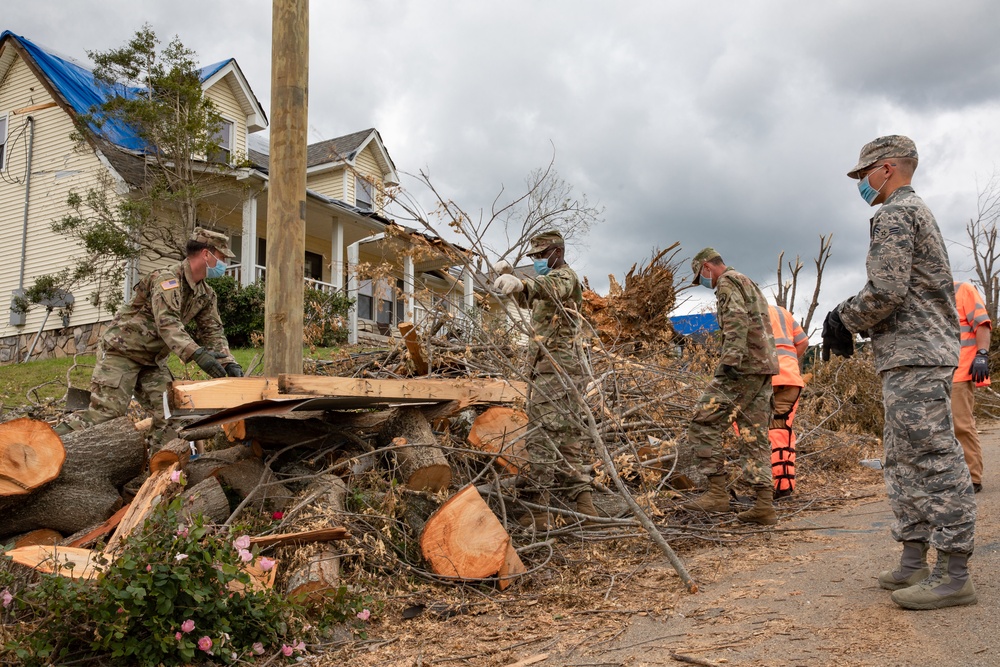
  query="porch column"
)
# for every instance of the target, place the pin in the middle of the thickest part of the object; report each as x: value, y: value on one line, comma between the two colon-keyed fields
x: 468, y: 291
x: 337, y: 255
x: 408, y: 285
x: 248, y: 257
x: 353, y: 253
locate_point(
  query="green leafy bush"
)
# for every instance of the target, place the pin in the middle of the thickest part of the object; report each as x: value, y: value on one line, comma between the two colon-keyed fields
x: 241, y: 309
x: 176, y: 594
x: 325, y: 317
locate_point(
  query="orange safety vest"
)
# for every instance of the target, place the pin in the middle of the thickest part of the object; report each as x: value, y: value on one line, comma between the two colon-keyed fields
x: 971, y: 315
x: 790, y: 342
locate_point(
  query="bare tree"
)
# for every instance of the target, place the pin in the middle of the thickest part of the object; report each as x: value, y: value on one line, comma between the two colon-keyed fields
x: 982, y: 234
x: 785, y: 296
x: 825, y: 242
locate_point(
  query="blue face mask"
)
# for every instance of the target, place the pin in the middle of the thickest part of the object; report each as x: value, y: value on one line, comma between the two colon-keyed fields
x: 216, y: 271
x: 868, y: 193
x: 705, y: 282
x: 541, y: 266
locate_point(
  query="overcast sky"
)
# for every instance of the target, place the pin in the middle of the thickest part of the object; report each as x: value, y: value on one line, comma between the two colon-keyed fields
x: 730, y: 124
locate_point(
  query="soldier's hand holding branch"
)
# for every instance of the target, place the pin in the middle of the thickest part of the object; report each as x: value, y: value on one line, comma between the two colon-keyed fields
x: 507, y: 284
x: 503, y: 268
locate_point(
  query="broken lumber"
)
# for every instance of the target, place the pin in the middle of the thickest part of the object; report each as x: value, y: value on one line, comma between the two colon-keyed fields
x: 152, y: 491
x: 85, y: 537
x: 31, y: 455
x: 65, y: 561
x: 467, y: 391
x: 501, y: 430
x: 420, y: 460
x: 302, y: 537
x: 464, y: 540
x: 99, y: 460
x: 315, y: 569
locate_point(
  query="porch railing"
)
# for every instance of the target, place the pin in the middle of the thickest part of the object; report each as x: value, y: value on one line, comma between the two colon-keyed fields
x: 236, y: 271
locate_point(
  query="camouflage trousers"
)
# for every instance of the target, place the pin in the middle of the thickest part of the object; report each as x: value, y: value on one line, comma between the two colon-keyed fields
x: 926, y: 477
x: 747, y: 401
x: 555, y: 440
x: 115, y: 380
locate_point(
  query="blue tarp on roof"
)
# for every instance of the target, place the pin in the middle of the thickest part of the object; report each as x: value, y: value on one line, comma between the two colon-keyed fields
x: 83, y: 93
x: 687, y: 325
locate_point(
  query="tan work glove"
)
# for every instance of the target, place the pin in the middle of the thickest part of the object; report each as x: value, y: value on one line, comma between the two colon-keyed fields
x: 508, y: 284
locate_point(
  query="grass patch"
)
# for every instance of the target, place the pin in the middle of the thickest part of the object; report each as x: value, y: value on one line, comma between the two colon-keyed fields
x: 45, y: 380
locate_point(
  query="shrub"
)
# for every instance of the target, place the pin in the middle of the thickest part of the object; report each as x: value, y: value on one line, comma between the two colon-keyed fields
x: 241, y: 309
x: 325, y: 317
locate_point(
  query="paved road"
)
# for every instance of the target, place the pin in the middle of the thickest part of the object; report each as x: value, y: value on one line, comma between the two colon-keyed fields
x: 811, y: 598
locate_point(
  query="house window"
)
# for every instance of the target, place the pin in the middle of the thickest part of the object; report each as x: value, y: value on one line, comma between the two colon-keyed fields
x: 365, y: 300
x: 224, y: 138
x: 400, y: 301
x: 386, y: 304
x: 362, y: 194
x: 3, y: 140
x: 314, y: 266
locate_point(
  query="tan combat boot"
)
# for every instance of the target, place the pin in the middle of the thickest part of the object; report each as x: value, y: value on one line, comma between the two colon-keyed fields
x: 948, y: 586
x: 763, y: 510
x: 585, y: 505
x: 716, y: 499
x: 540, y: 519
x: 912, y: 568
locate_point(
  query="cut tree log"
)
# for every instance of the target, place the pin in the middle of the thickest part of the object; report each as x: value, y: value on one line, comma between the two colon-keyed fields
x: 98, y: 461
x: 501, y: 430
x: 208, y: 499
x: 250, y: 478
x: 314, y: 572
x: 31, y: 455
x: 210, y: 463
x: 66, y: 561
x: 176, y: 451
x: 417, y: 356
x: 42, y: 537
x: 420, y: 460
x: 86, y: 537
x: 511, y: 569
x: 464, y: 540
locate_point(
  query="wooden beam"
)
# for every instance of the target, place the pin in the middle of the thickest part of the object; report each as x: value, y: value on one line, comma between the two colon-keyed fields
x: 222, y: 392
x: 409, y: 333
x: 466, y: 391
x: 35, y: 107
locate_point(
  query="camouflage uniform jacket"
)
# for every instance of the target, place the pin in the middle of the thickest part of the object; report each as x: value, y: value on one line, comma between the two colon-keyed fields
x: 747, y: 339
x: 152, y: 326
x: 555, y: 300
x: 908, y: 304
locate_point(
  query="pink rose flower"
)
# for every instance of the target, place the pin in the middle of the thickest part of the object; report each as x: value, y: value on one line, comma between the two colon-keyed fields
x: 286, y: 650
x: 245, y: 556
x: 299, y: 646
x: 205, y: 644
x: 6, y: 597
x: 149, y: 568
x: 258, y: 648
x: 187, y: 626
x: 266, y: 564
x: 177, y: 636
x: 364, y: 614
x: 175, y: 476
x: 182, y: 531
x: 242, y: 542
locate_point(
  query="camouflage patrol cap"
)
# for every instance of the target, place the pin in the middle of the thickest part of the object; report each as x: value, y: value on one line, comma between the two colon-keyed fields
x: 218, y: 241
x: 893, y: 145
x: 699, y: 259
x: 542, y: 242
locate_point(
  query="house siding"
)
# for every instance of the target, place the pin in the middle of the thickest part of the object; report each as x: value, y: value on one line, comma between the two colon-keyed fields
x: 57, y: 168
x: 222, y: 96
x: 328, y: 183
x: 367, y: 166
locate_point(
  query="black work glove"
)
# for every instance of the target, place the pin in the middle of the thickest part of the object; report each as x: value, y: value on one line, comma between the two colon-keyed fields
x: 208, y: 361
x: 980, y: 368
x: 836, y: 338
x: 730, y: 372
x: 234, y: 370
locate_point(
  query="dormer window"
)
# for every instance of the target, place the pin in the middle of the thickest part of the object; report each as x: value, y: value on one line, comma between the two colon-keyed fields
x: 363, y: 194
x: 224, y: 137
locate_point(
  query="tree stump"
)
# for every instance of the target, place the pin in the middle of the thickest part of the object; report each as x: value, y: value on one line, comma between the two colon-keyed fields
x: 315, y: 568
x: 421, y: 463
x: 98, y: 460
x: 31, y: 455
x: 501, y: 431
x: 250, y: 478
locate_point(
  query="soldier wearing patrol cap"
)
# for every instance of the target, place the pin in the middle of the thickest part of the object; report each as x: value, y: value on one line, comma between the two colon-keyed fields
x: 133, y: 352
x: 555, y: 446
x: 740, y: 391
x: 908, y: 307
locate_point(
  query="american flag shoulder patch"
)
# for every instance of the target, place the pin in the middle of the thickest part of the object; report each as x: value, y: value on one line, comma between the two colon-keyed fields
x: 170, y: 284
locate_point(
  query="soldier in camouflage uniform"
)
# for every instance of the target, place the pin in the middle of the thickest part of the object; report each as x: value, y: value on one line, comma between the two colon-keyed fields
x: 740, y: 392
x: 555, y: 443
x: 908, y: 309
x: 133, y: 352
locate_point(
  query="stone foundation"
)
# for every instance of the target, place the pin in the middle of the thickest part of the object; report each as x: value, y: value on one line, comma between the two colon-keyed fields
x: 52, y: 344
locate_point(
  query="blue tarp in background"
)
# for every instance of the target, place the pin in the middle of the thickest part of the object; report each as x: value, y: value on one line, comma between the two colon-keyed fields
x: 690, y: 325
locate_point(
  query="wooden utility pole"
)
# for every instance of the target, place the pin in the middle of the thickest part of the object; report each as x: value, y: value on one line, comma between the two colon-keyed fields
x: 286, y: 199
